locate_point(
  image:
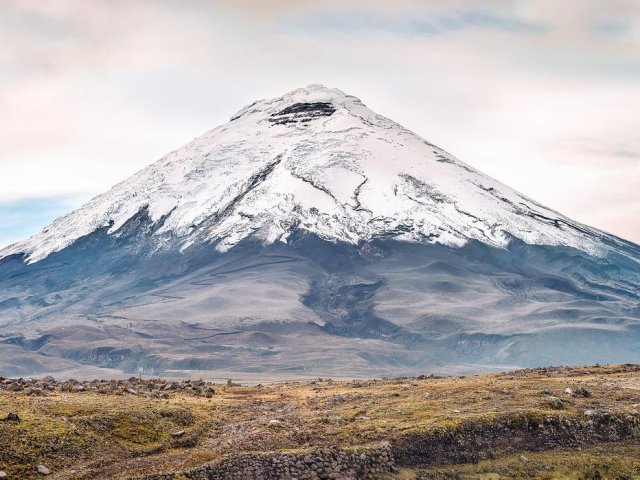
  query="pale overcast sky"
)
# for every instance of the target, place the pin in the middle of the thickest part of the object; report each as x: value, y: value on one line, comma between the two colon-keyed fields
x: 542, y: 95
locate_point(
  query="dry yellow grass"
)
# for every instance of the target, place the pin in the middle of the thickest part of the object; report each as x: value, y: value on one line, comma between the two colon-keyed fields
x: 610, y: 461
x: 93, y: 435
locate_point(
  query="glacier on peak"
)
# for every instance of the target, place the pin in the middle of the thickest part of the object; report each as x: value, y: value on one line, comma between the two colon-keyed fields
x: 315, y: 159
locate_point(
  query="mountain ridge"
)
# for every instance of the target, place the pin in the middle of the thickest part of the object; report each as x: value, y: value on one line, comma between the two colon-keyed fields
x: 309, y: 237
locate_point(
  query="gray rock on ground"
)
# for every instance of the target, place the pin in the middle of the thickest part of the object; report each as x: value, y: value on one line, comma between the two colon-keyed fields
x: 43, y: 470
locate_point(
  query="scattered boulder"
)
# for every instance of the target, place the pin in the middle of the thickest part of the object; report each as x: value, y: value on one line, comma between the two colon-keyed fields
x: 43, y: 470
x: 578, y: 391
x: 208, y: 392
x: 554, y: 402
x: 581, y: 391
x: 12, y: 417
x: 177, y: 434
x: 34, y: 392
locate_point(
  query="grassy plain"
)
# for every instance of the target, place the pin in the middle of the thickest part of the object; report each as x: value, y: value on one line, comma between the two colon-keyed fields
x: 142, y: 426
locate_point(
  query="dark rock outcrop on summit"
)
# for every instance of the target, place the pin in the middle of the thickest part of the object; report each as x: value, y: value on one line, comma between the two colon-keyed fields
x: 302, y: 112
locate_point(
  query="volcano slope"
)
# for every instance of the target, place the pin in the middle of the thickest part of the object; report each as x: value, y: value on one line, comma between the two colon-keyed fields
x: 311, y: 237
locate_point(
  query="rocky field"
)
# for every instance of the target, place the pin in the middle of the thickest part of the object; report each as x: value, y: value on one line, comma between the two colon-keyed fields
x: 577, y: 423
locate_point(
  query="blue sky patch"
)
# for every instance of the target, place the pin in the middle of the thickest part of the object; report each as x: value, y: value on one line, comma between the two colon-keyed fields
x: 25, y: 217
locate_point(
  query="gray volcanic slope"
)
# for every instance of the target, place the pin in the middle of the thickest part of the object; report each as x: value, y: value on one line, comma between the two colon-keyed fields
x: 166, y: 275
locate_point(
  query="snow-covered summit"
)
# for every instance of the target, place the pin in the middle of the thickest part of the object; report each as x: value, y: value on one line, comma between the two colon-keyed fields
x: 320, y: 160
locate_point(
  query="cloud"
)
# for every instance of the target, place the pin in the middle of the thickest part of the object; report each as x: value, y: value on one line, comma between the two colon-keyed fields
x: 356, y: 22
x: 541, y: 95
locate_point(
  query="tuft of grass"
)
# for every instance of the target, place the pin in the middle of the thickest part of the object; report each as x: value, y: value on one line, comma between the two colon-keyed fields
x: 130, y: 429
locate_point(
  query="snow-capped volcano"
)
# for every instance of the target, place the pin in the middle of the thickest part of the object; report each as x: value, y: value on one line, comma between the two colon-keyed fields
x: 311, y: 236
x: 319, y: 160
